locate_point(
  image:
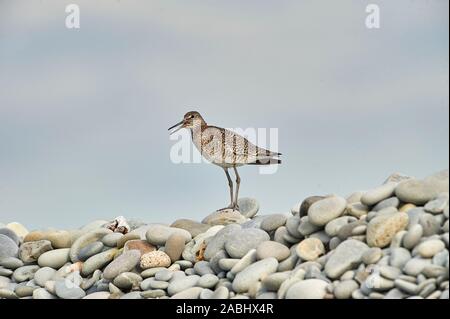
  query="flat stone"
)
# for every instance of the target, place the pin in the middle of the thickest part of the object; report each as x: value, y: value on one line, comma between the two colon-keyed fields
x: 332, y: 228
x: 217, y: 243
x: 193, y: 227
x: 8, y: 248
x: 325, y: 210
x: 67, y: 290
x: 190, y: 293
x: 42, y: 293
x: 244, y: 240
x: 174, y: 247
x: 124, y: 263
x: 224, y: 217
x: 382, y: 229
x: 413, y: 236
x: 98, y: 261
x: 127, y: 237
x: 388, y: 202
x: 127, y: 280
x: 98, y: 294
x: 406, y: 286
x: 310, y: 249
x: 202, y: 268
x: 269, y: 248
x: 23, y: 291
x: 182, y: 284
x: 86, y: 239
x: 372, y: 256
x: 90, y: 250
x: 306, y: 204
x: 111, y: 239
x: 292, y: 224
x: 159, y: 234
x: 244, y: 262
x: 306, y: 228
x: 431, y: 247
x: 25, y: 273
x: 399, y: 257
x: 253, y: 273
x: 208, y: 281
x: 155, y: 293
x: 11, y: 262
x: 430, y: 224
x: 30, y: 251
x: 357, y: 210
x: 248, y: 207
x: 54, y: 258
x: 272, y: 222
x: 438, y: 205
x: 43, y: 275
x: 155, y: 259
x: 307, y: 289
x: 345, y: 257
x: 11, y: 234
x: 345, y: 289
x: 415, y: 266
x: 378, y: 194
x: 136, y: 244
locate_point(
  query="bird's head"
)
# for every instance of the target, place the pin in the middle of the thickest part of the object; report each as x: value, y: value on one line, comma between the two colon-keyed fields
x: 190, y: 120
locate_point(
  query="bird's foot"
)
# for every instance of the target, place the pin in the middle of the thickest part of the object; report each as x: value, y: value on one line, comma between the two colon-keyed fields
x: 231, y: 206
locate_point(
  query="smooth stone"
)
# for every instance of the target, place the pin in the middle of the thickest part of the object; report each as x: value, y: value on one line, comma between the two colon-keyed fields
x: 413, y: 236
x: 306, y: 228
x: 67, y: 290
x: 228, y: 263
x: 269, y: 248
x: 163, y: 275
x: 437, y: 206
x: 255, y: 222
x: 86, y: 239
x: 253, y: 273
x: 18, y: 229
x: 244, y: 262
x: 208, y: 281
x: 419, y: 192
x: 325, y: 210
x: 272, y: 222
x: 54, y: 258
x: 415, y: 266
x: 372, y: 256
x: 184, y: 264
x: 377, y: 283
x: 382, y: 229
x: 345, y: 257
x: 429, y: 224
x: 406, y: 286
x: 182, y: 284
x: 98, y: 261
x: 245, y: 240
x: 310, y: 249
x: 156, y: 293
x: 124, y: 263
x: 5, y: 272
x: 202, y: 268
x: 58, y: 238
x: 378, y: 194
x: 193, y: 227
x: 11, y: 262
x: 292, y: 224
x: 434, y: 271
x: 224, y: 217
x: 127, y: 237
x: 25, y: 273
x: 4, y: 282
x: 307, y: 289
x: 389, y: 202
x: 429, y: 248
x: 98, y: 294
x: 111, y: 240
x: 42, y: 293
x: 399, y: 257
x: 136, y: 244
x: 345, y: 289
x: 332, y: 228
x: 154, y: 259
x: 306, y: 204
x: 196, y: 248
x: 90, y: 250
x: 274, y: 281
x: 89, y: 282
x: 406, y: 207
x: 248, y: 207
x: 22, y: 291
x: 280, y: 236
x: 220, y: 293
x: 127, y: 280
x: 151, y: 272
x: 30, y: 251
x: 7, y: 294
x: 217, y: 243
x: 158, y: 234
x: 389, y: 272
x: 175, y: 246
x: 8, y: 248
x: 357, y: 210
x: 11, y: 234
x: 132, y: 295
x: 190, y: 293
x: 43, y: 275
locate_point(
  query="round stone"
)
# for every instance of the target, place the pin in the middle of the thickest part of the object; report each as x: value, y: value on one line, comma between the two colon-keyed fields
x: 8, y: 248
x: 156, y: 293
x: 42, y: 293
x: 345, y: 289
x: 389, y: 202
x: 190, y: 293
x: 125, y: 262
x: 382, y: 229
x: 136, y: 244
x: 155, y: 259
x: 430, y: 224
x: 25, y: 273
x: 372, y: 256
x: 310, y: 249
x: 248, y: 207
x: 332, y: 228
x: 90, y: 250
x: 437, y: 205
x: 307, y: 289
x: 306, y: 204
x: 254, y: 273
x: 419, y: 192
x: 269, y: 248
x: 399, y: 257
x: 306, y: 228
x: 244, y: 240
x: 86, y: 239
x: 357, y: 210
x: 127, y: 237
x: 378, y: 194
x: 415, y: 266
x: 272, y: 222
x: 127, y: 280
x: 325, y: 210
x: 98, y: 261
x: 30, y: 251
x: 11, y: 234
x: 159, y: 234
x: 111, y: 240
x: 54, y: 258
x: 413, y: 236
x: 202, y: 268
x: 24, y: 291
x: 174, y: 246
x: 18, y: 228
x: 429, y: 248
x: 224, y: 217
x: 43, y: 275
x: 345, y: 257
x: 11, y: 263
x: 193, y: 227
x: 178, y: 285
x: 65, y: 289
x: 98, y: 295
x: 208, y: 281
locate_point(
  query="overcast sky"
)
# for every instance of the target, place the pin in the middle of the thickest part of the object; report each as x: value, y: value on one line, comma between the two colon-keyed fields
x: 84, y: 113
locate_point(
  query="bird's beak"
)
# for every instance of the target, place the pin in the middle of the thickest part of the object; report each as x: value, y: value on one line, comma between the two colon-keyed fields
x: 179, y: 128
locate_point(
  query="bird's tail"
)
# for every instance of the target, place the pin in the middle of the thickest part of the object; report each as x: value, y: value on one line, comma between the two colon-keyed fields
x: 266, y: 161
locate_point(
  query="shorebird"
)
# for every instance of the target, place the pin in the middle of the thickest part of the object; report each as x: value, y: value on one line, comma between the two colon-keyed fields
x: 225, y: 148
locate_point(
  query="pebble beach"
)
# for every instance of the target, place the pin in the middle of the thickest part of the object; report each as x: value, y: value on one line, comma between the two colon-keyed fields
x: 389, y: 242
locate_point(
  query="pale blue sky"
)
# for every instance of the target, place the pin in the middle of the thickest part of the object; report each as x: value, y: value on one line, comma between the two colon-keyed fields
x: 84, y: 113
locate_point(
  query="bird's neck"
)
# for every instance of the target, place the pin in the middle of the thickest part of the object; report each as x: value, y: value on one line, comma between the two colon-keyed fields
x: 197, y: 129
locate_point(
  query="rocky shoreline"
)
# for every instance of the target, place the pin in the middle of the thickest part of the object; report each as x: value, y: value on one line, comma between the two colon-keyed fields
x: 389, y: 242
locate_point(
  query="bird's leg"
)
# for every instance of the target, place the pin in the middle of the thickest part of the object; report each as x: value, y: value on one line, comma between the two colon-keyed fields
x: 230, y: 185
x: 238, y: 182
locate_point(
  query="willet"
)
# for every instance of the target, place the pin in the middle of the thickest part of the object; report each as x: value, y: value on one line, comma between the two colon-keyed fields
x: 225, y: 148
